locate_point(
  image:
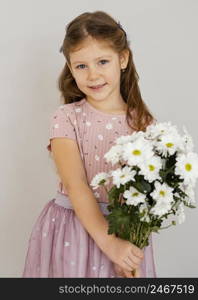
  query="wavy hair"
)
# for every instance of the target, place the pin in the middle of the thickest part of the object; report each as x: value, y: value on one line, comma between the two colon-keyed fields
x: 102, y: 27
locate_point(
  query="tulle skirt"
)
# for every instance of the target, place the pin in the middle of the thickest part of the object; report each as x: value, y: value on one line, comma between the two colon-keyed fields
x: 59, y: 246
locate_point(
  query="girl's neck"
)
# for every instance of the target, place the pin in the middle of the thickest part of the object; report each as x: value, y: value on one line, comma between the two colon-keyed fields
x: 108, y: 107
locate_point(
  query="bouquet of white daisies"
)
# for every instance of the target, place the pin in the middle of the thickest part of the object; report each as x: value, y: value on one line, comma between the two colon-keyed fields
x: 156, y: 176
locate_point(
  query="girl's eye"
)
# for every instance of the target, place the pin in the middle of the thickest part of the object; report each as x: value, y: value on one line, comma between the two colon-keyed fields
x: 78, y: 67
x: 104, y: 61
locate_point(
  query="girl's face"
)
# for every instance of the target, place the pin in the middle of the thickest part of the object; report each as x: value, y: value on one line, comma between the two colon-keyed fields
x: 95, y: 63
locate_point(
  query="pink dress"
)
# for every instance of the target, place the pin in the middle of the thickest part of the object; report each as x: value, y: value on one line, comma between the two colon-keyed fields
x: 59, y: 245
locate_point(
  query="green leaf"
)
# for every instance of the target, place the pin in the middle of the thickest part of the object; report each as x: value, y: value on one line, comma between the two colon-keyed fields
x: 119, y: 221
x: 189, y: 205
x: 141, y: 184
x: 170, y: 161
x: 155, y: 229
x: 113, y: 195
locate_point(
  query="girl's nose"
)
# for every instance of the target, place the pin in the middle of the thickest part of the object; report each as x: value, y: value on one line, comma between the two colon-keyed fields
x: 92, y: 74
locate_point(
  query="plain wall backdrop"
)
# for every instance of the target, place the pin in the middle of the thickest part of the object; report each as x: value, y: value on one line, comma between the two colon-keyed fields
x: 163, y: 38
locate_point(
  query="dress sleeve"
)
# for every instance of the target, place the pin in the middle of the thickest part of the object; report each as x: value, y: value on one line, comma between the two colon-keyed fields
x: 61, y: 125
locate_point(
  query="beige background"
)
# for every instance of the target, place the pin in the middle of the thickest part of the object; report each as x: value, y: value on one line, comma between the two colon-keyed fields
x: 164, y: 41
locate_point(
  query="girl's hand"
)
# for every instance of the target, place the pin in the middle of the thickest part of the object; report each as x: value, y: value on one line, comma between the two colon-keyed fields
x: 125, y: 254
x: 118, y: 270
x: 126, y: 274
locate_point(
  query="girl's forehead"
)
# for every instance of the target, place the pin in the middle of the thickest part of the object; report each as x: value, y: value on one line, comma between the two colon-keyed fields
x: 91, y: 49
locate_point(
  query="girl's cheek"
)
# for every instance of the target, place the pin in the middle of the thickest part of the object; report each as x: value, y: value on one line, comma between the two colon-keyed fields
x: 80, y: 78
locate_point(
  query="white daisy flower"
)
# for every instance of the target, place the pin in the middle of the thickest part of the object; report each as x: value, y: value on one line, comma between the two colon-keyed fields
x: 137, y: 134
x: 124, y: 139
x: 161, y: 207
x: 180, y: 213
x: 187, y: 167
x: 156, y: 130
x: 136, y: 152
x: 177, y: 195
x: 190, y: 198
x: 163, y: 160
x: 122, y: 176
x: 168, y: 144
x: 189, y: 191
x: 164, y: 198
x: 162, y: 192
x: 150, y: 168
x: 144, y: 209
x: 114, y: 154
x: 98, y: 179
x: 133, y: 196
x: 187, y: 142
x: 145, y: 218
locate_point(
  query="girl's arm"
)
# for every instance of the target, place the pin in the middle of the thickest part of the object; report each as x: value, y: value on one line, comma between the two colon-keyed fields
x: 71, y: 171
x: 90, y: 215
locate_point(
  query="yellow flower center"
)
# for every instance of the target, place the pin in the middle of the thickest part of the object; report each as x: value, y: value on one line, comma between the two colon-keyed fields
x: 135, y: 194
x: 151, y: 167
x: 136, y: 152
x: 122, y: 176
x: 162, y: 193
x: 188, y: 167
x: 169, y: 145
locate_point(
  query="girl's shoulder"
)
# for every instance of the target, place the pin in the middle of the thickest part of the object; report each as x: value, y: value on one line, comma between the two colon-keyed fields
x: 70, y: 108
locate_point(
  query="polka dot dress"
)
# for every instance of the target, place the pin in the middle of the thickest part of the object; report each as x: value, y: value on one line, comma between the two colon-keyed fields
x: 59, y: 246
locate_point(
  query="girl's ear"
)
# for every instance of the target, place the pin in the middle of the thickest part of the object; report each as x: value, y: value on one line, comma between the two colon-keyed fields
x: 124, y: 58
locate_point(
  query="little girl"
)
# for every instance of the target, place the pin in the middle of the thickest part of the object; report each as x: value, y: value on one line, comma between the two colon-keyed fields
x: 102, y: 101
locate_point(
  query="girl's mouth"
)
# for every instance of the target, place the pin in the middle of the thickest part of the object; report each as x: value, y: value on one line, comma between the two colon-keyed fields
x: 97, y: 87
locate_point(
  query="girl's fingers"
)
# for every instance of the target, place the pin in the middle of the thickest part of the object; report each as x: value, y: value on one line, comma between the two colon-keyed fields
x: 128, y: 264
x: 137, y: 252
x: 118, y: 270
x: 137, y: 273
x: 128, y: 274
x: 137, y: 256
x: 134, y: 261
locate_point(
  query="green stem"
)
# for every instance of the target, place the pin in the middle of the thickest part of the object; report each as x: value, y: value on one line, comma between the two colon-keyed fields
x: 170, y: 213
x: 146, y: 235
x: 167, y: 171
x: 166, y: 227
x: 139, y: 235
